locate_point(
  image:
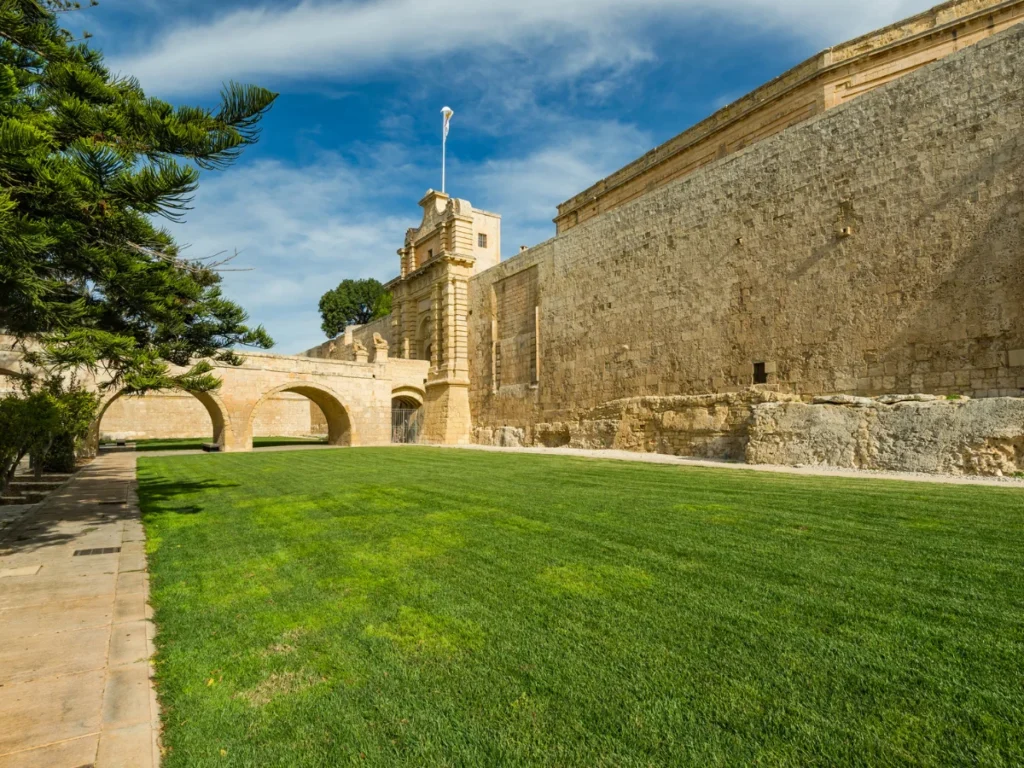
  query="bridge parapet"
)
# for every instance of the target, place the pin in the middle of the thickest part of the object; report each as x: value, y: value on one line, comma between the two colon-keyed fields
x: 355, y: 397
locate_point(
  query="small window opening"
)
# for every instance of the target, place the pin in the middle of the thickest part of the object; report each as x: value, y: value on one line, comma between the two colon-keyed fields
x: 481, y: 240
x: 430, y: 253
x: 760, y: 374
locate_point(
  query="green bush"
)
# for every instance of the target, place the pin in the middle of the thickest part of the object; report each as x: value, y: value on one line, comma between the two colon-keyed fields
x: 62, y: 454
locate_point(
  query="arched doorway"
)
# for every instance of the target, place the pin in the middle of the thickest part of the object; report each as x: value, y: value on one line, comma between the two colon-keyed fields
x: 175, y: 417
x: 406, y: 415
x: 339, y: 426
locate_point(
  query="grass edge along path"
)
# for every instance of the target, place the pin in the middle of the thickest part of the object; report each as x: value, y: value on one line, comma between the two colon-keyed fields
x: 424, y: 607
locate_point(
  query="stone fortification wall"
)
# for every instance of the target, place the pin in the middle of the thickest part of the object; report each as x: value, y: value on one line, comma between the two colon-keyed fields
x: 169, y: 415
x: 874, y: 249
x: 831, y: 78
x: 919, y: 434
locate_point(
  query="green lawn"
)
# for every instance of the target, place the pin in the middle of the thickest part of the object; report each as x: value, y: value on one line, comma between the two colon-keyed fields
x: 427, y: 607
x: 196, y: 443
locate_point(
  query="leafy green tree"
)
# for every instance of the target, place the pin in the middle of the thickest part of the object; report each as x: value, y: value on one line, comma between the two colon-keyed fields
x: 48, y: 421
x: 27, y: 425
x: 76, y: 410
x: 88, y: 165
x: 353, y: 302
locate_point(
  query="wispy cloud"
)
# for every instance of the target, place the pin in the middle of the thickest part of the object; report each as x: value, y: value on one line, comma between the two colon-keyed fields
x: 337, y: 40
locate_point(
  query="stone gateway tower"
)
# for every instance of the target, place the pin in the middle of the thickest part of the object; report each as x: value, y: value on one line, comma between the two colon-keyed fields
x: 430, y: 304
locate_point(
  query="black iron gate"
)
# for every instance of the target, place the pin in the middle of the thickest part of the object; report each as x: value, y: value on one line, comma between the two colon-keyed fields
x: 406, y: 425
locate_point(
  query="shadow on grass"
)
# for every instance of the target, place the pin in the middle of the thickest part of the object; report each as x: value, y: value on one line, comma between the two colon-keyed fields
x: 163, y: 497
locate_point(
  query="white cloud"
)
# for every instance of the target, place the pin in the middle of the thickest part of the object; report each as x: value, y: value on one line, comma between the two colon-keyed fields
x: 303, y: 228
x: 300, y: 229
x: 336, y: 40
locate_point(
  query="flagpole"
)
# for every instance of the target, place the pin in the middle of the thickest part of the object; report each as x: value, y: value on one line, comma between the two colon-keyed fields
x: 446, y: 114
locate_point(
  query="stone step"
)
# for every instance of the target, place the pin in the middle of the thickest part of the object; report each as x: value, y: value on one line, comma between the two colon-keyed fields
x: 24, y: 497
x: 34, y: 485
x: 13, y: 499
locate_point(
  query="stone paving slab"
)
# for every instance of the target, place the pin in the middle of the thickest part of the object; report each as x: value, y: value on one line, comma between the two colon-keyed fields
x: 75, y: 631
x: 74, y: 753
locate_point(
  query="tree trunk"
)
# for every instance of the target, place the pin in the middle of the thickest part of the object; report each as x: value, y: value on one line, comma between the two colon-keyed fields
x: 40, y: 459
x: 9, y: 471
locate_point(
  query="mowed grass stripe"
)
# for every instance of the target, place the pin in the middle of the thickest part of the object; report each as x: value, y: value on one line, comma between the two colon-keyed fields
x: 417, y: 606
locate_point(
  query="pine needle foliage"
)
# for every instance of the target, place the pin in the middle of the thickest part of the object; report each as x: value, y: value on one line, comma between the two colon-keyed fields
x: 88, y: 165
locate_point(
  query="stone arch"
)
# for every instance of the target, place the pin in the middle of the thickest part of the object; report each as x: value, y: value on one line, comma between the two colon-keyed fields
x: 413, y: 397
x: 339, y: 425
x: 219, y: 419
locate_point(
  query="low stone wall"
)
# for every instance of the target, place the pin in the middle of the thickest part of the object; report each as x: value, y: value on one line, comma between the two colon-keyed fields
x: 706, y: 426
x: 917, y: 433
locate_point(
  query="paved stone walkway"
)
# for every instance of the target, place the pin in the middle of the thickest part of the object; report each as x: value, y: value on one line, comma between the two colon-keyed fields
x: 75, y: 635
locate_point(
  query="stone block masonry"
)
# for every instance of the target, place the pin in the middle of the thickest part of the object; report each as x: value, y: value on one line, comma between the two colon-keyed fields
x: 515, y: 351
x: 873, y: 249
x: 831, y: 78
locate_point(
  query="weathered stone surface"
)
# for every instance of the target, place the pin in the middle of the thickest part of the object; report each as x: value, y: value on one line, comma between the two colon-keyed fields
x: 809, y: 88
x: 892, y: 399
x: 843, y: 400
x: 706, y: 426
x: 503, y: 437
x: 969, y: 437
x: 682, y: 290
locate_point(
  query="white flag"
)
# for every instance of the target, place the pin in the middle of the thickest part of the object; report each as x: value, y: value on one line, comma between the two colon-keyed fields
x: 447, y: 112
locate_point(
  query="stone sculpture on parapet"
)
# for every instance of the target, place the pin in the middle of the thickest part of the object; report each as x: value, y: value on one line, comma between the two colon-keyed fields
x: 380, y: 348
x: 359, y: 352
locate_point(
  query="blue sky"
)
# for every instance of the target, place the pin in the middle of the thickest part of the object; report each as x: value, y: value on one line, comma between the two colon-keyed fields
x: 549, y: 96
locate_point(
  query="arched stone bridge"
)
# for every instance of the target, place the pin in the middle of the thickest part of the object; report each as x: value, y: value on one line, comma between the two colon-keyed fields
x: 355, y: 396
